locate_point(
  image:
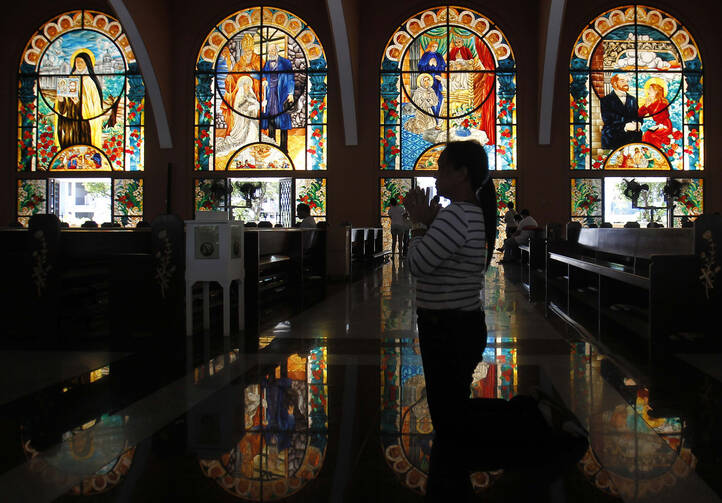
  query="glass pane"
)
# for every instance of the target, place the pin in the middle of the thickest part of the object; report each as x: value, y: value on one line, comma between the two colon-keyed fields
x: 210, y: 194
x: 618, y: 207
x: 256, y: 199
x: 32, y: 197
x: 128, y: 200
x: 83, y: 199
x: 312, y: 191
x: 586, y: 197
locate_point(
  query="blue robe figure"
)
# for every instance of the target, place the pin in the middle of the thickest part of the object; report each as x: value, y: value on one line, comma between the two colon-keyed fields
x: 281, y: 422
x: 433, y: 63
x: 279, y: 87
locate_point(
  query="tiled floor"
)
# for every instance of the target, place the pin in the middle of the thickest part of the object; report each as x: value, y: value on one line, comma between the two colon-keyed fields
x: 332, y: 408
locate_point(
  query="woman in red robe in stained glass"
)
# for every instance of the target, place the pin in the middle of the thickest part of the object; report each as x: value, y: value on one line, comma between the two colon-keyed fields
x: 656, y: 107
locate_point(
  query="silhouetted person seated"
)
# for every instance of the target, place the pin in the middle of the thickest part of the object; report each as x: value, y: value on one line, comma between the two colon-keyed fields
x: 107, y: 225
x: 686, y: 222
x: 89, y: 224
x: 606, y: 225
x: 303, y: 212
x: 142, y: 223
x: 64, y: 224
x: 265, y: 224
x: 631, y: 225
x: 592, y: 226
x: 251, y: 224
x: 278, y: 225
x: 15, y: 224
x: 654, y: 225
x: 524, y: 231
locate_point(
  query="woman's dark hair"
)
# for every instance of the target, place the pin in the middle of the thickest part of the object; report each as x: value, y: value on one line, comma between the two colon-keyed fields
x: 91, y: 71
x: 472, y: 156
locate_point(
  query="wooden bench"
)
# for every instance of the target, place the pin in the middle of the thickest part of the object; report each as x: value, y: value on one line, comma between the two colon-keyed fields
x: 367, y: 248
x: 281, y: 277
x: 83, y: 284
x: 633, y: 291
x: 533, y: 263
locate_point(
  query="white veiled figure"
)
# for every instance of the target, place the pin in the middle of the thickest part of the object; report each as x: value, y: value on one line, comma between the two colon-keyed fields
x: 245, y: 128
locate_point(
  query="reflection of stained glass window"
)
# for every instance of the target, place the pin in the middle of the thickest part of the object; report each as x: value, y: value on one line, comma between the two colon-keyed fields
x: 624, y: 432
x: 636, y: 100
x: 260, y: 86
x: 82, y: 450
x: 285, y: 432
x: 81, y: 101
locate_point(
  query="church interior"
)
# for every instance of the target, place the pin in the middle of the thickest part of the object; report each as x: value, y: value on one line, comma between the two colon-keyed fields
x: 208, y: 298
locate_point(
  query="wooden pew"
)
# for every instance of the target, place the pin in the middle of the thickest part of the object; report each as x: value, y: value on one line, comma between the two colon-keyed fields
x: 367, y: 248
x: 80, y: 284
x: 633, y: 291
x: 532, y: 263
x: 281, y: 278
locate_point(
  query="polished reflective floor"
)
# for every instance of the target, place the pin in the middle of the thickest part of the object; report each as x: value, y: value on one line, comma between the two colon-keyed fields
x: 330, y: 406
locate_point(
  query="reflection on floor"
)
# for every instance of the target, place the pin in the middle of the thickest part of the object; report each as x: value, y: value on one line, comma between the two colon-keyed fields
x: 331, y: 407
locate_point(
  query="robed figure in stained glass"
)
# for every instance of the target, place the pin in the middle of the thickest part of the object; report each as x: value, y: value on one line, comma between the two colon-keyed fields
x: 244, y: 128
x: 278, y: 85
x: 657, y: 107
x: 249, y: 62
x: 80, y: 104
x: 432, y: 62
x: 620, y: 115
x: 425, y: 99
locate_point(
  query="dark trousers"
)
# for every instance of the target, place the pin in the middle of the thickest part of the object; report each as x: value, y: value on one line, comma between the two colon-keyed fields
x: 452, y: 344
x: 469, y: 434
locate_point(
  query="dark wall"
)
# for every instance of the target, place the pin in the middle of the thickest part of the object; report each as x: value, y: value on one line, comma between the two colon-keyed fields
x: 173, y: 31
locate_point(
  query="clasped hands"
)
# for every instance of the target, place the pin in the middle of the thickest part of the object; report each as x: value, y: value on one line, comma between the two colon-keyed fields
x: 632, y: 126
x: 419, y: 208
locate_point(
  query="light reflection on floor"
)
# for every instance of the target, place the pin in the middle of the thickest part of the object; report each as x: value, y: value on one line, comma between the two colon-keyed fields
x: 275, y: 424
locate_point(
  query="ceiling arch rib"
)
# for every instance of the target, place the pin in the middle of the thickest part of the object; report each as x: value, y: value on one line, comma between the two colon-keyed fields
x: 146, y: 67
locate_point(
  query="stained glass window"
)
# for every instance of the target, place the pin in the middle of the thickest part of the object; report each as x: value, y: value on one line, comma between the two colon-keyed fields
x: 636, y: 104
x: 284, y: 421
x: 447, y: 74
x: 260, y: 82
x: 81, y: 101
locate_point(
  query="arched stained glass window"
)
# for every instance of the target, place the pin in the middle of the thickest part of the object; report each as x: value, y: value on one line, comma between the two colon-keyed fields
x: 406, y: 428
x: 285, y: 432
x: 447, y: 74
x: 636, y: 111
x: 81, y: 101
x: 260, y: 111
